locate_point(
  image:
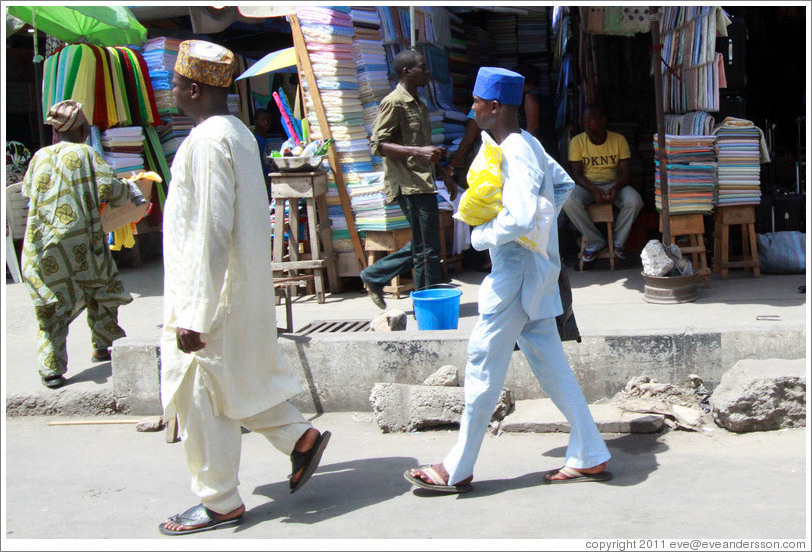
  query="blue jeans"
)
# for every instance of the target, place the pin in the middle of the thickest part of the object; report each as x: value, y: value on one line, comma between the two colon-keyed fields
x: 422, y: 253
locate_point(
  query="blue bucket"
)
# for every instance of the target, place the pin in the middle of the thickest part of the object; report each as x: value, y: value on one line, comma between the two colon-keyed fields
x: 436, y: 309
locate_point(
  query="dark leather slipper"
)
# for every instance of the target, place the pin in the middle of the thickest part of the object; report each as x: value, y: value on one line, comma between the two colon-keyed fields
x: 308, y: 460
x: 53, y: 382
x: 100, y: 355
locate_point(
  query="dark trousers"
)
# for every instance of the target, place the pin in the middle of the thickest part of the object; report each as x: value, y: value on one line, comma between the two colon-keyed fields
x: 422, y: 253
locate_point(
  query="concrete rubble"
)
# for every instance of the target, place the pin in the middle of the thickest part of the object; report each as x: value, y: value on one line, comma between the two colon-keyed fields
x: 682, y: 406
x: 660, y: 261
x: 542, y: 416
x: 402, y: 407
x: 152, y: 423
x: 761, y: 395
x: 393, y: 320
x: 447, y: 376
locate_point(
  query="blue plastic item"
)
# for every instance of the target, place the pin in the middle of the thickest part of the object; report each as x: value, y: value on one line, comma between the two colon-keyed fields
x: 436, y: 309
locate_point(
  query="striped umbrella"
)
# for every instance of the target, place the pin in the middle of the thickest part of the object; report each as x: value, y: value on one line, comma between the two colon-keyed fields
x: 281, y: 60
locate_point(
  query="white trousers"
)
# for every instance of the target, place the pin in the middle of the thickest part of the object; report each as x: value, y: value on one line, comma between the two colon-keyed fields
x: 213, y: 443
x: 489, y: 350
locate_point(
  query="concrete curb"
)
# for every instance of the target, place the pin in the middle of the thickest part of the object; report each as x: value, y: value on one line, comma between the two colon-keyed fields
x: 66, y: 402
x: 337, y: 371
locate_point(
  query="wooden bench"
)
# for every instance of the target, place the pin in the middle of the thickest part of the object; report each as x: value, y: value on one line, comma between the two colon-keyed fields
x: 382, y: 243
x: 692, y: 226
x: 601, y: 212
x: 724, y: 217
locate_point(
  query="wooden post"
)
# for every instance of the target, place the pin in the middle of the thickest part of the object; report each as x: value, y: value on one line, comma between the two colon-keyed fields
x: 656, y: 60
x: 307, y: 69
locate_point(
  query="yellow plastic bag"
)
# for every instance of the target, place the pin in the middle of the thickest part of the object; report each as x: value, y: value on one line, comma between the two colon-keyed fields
x: 483, y: 199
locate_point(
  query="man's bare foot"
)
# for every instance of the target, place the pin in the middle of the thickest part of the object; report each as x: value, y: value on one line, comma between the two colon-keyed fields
x: 441, y: 472
x: 171, y: 525
x: 563, y: 474
x: 306, y: 442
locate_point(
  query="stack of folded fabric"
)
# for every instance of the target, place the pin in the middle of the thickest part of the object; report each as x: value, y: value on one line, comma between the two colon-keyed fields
x: 531, y: 30
x: 124, y: 149
x: 503, y: 32
x: 328, y: 34
x: 459, y: 62
x: 370, y: 65
x: 160, y: 54
x: 233, y: 102
x: 370, y: 208
x: 173, y: 132
x: 454, y: 123
x: 691, y: 123
x: 739, y: 166
x: 691, y: 173
x: 370, y: 62
x: 437, y: 130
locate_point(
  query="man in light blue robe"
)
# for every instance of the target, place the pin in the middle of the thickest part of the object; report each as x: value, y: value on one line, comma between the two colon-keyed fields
x: 518, y: 301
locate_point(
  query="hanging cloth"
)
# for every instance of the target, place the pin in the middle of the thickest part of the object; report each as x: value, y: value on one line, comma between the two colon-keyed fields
x: 48, y: 82
x: 131, y: 95
x: 83, y: 89
x: 613, y: 20
x: 149, y: 100
x: 70, y: 65
x: 636, y: 20
x: 594, y: 19
x: 123, y: 237
x: 141, y: 88
x: 119, y: 88
x: 100, y: 120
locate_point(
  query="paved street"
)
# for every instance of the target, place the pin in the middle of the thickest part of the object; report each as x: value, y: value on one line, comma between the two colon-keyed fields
x: 111, y: 482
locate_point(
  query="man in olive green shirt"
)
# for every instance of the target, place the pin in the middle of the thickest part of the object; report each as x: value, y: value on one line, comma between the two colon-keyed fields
x: 402, y: 136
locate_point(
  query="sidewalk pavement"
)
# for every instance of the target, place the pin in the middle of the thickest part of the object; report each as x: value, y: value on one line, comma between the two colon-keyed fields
x: 605, y: 303
x: 111, y: 482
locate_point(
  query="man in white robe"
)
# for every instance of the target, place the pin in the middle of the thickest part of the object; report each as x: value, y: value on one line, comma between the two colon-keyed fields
x: 518, y: 301
x: 220, y: 365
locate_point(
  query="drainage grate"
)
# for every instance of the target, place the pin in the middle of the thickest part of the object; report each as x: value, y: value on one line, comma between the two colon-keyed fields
x: 334, y: 326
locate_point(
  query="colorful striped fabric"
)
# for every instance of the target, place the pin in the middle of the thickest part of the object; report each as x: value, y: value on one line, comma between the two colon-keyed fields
x: 111, y: 83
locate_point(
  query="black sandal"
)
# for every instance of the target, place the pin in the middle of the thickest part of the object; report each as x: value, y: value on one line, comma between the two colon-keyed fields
x: 308, y: 460
x: 53, y: 382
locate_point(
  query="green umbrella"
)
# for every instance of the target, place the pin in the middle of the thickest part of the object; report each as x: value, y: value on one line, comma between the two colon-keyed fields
x: 99, y: 25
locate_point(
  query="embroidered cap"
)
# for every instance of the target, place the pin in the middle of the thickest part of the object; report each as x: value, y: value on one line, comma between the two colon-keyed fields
x: 66, y: 115
x: 205, y: 62
x: 495, y: 83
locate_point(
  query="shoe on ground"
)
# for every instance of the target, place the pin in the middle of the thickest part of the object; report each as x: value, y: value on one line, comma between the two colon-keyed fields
x: 619, y: 252
x: 590, y: 256
x: 101, y: 355
x: 53, y: 382
x: 375, y: 292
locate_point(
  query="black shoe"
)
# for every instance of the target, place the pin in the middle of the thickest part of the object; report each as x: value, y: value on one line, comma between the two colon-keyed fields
x: 53, y: 382
x: 100, y: 355
x: 375, y: 292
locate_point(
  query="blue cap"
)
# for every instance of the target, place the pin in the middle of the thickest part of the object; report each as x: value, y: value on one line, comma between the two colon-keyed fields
x: 495, y: 83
